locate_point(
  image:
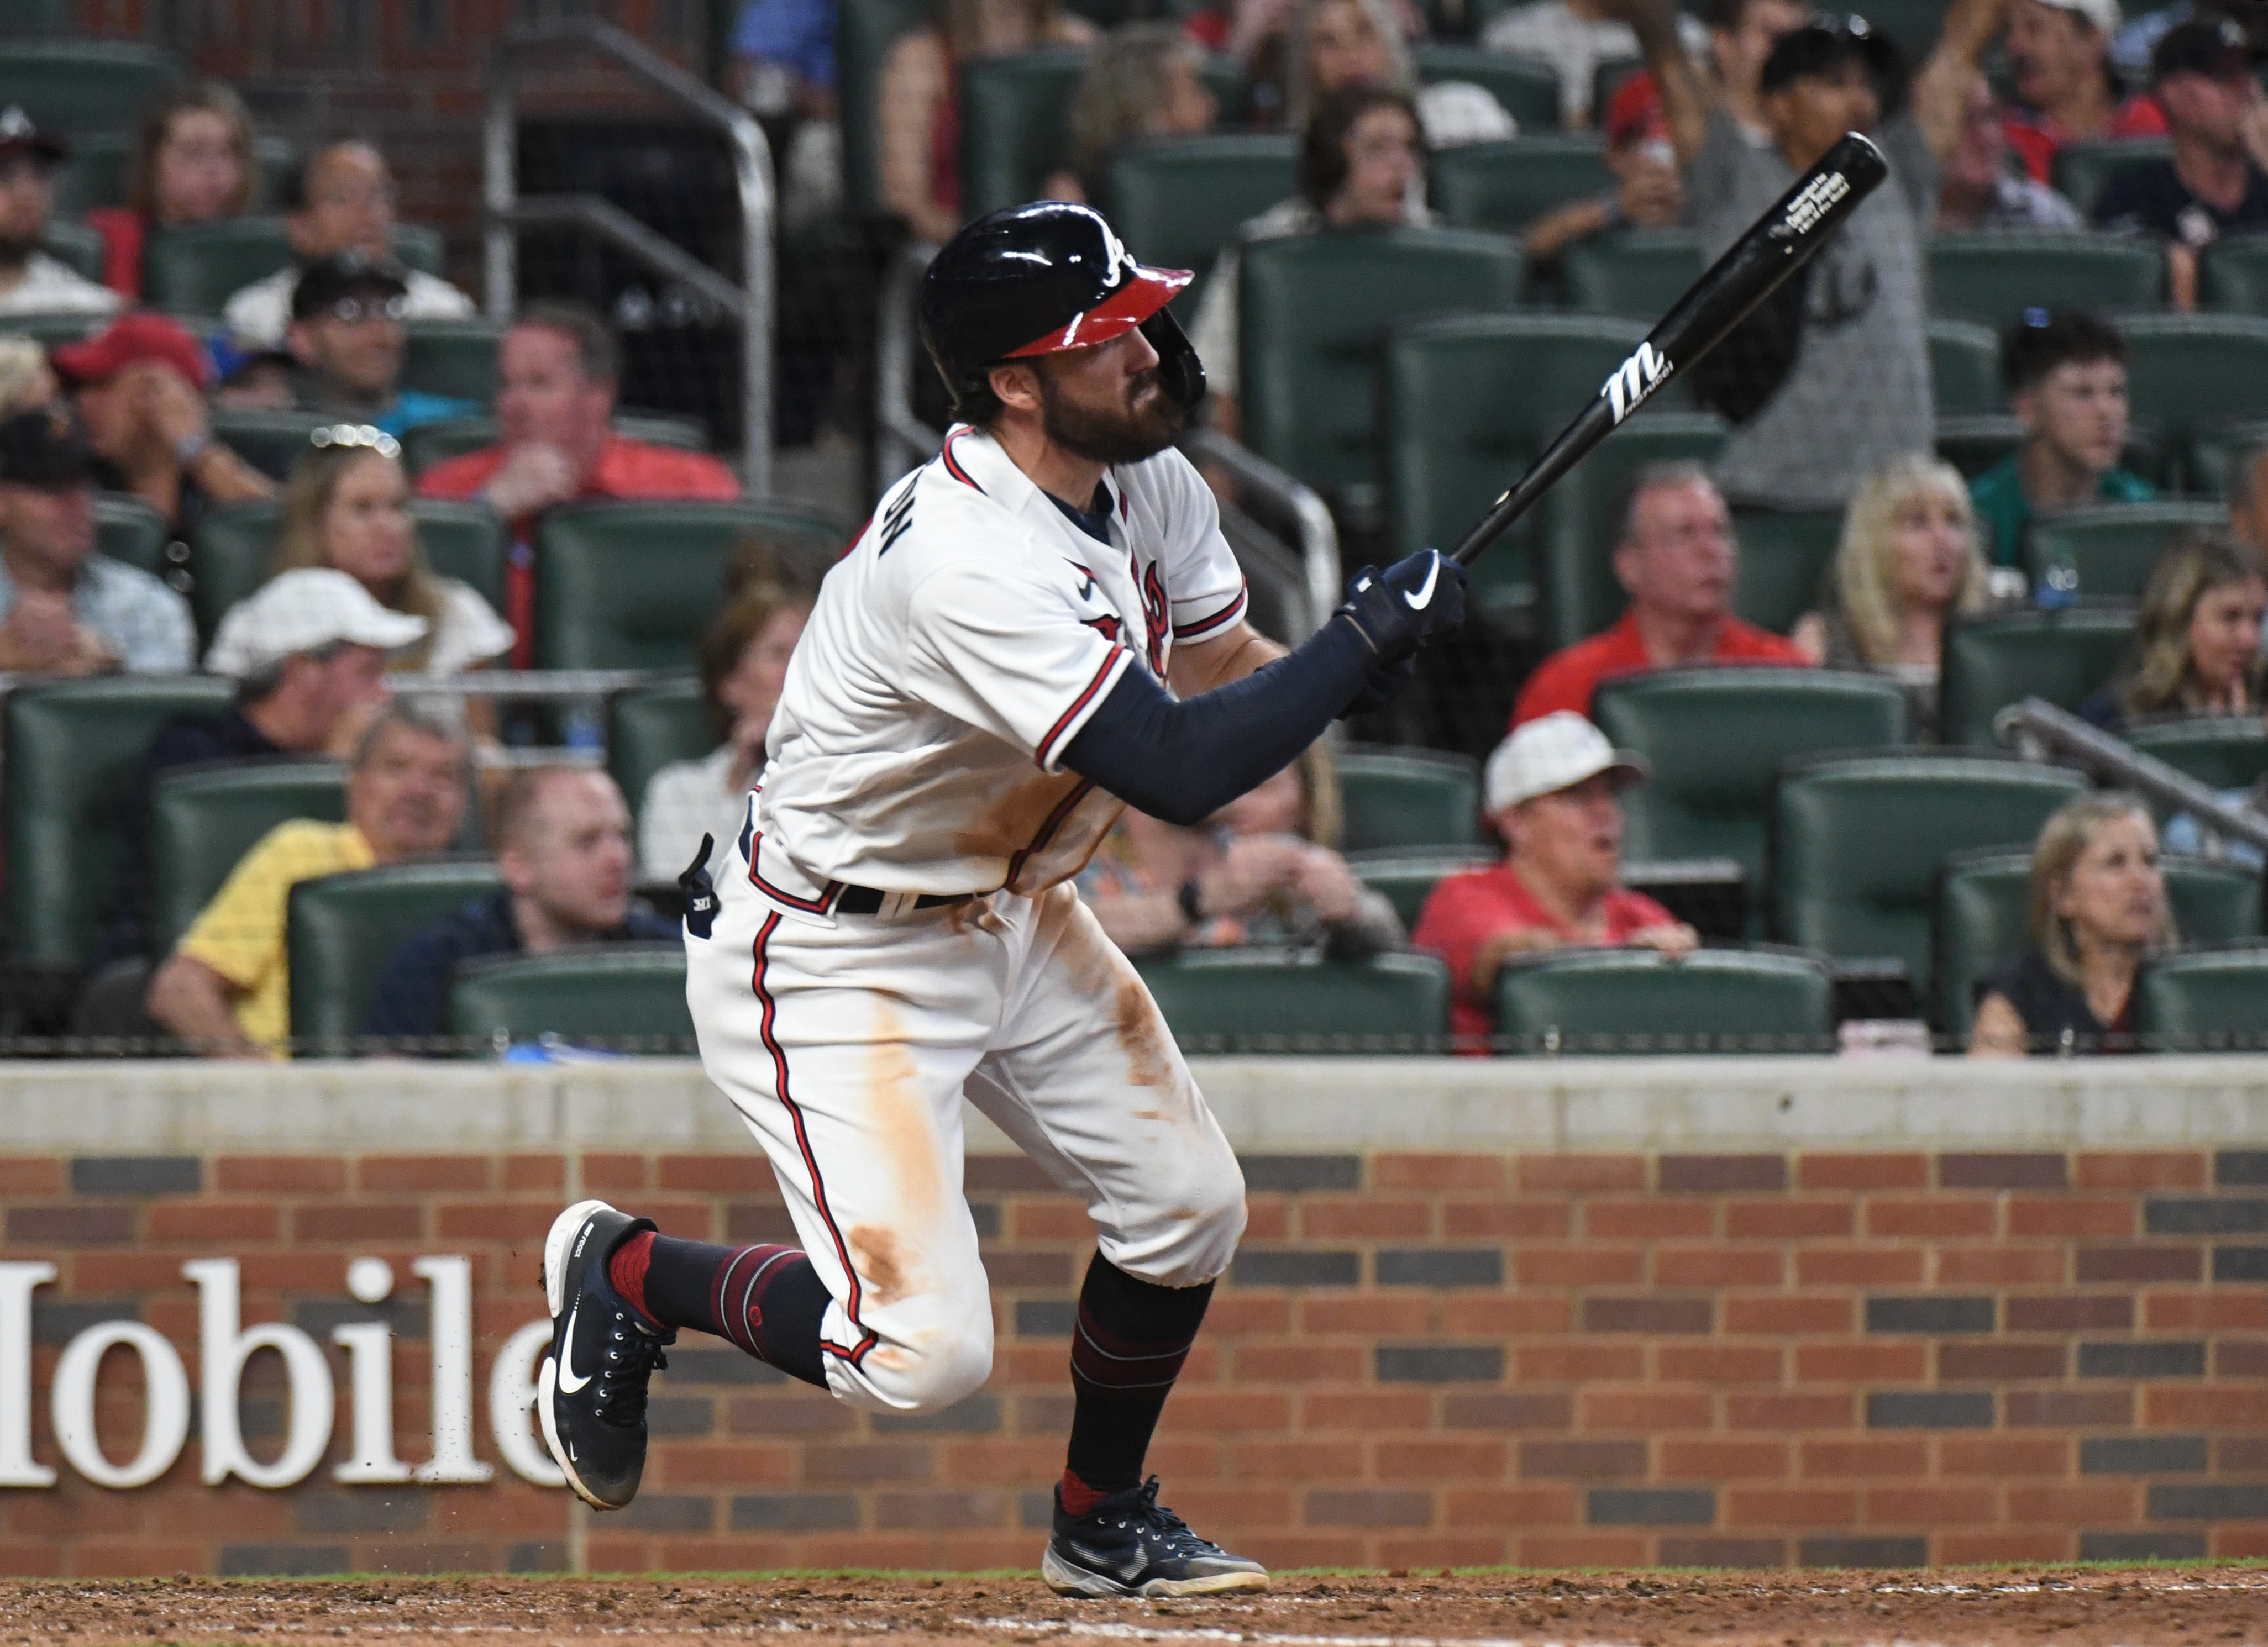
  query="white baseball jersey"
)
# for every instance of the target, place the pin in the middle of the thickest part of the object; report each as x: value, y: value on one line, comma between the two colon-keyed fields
x: 954, y: 653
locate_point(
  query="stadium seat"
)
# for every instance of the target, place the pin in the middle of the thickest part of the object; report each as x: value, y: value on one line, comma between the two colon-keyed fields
x: 1638, y: 272
x: 2204, y: 1002
x: 1637, y: 1001
x: 1973, y: 443
x: 1407, y: 798
x: 269, y: 441
x: 865, y: 32
x: 1717, y: 738
x: 2233, y: 274
x: 2187, y: 373
x: 233, y: 552
x: 2213, y: 453
x: 2221, y: 752
x: 452, y: 357
x: 196, y: 269
x: 1408, y: 878
x: 429, y: 443
x: 464, y: 542
x: 29, y: 19
x: 1529, y: 90
x: 2113, y: 545
x: 1316, y: 311
x: 1785, y: 557
x: 343, y: 929
x: 632, y: 585
x: 1982, y: 918
x: 73, y: 243
x: 202, y: 820
x: 78, y: 86
x: 72, y: 746
x: 1580, y: 519
x: 48, y: 330
x: 2081, y: 169
x: 128, y: 529
x: 1014, y: 124
x: 627, y: 997
x: 1993, y: 660
x: 654, y: 725
x: 1470, y: 400
x: 1991, y: 277
x: 1964, y: 360
x: 1857, y: 843
x: 1177, y: 202
x: 1260, y: 1001
x: 1506, y: 186
x: 422, y: 247
x: 1607, y: 79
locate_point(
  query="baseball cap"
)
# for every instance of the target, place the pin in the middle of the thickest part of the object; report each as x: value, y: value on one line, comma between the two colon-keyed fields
x: 44, y: 447
x: 1815, y: 50
x: 1552, y: 753
x: 1635, y: 112
x: 2103, y: 14
x: 304, y: 611
x: 18, y: 133
x: 2216, y: 49
x: 348, y: 274
x: 128, y: 341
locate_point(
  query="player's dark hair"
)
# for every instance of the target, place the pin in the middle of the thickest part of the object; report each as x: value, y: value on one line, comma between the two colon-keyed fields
x: 596, y: 351
x: 2044, y: 340
x: 1323, y: 164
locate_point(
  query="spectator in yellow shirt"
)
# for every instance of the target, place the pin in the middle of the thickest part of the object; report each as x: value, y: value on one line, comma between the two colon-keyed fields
x: 227, y: 985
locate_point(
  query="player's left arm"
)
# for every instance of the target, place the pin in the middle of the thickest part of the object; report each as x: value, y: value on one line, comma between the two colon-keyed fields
x: 1219, y: 659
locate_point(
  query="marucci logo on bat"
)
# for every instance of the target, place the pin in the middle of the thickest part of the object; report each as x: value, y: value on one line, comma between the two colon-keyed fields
x: 1818, y: 198
x: 1634, y: 379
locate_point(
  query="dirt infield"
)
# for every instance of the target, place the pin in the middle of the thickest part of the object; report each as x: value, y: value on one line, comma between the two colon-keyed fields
x: 2079, y: 1605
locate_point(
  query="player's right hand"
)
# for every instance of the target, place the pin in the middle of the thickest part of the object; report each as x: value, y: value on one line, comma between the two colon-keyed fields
x: 1402, y: 608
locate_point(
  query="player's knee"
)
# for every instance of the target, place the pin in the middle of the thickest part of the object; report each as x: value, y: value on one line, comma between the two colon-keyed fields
x: 1200, y: 1218
x: 933, y: 1367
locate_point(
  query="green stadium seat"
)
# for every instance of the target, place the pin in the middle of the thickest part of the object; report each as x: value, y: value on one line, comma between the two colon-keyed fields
x: 1964, y: 359
x: 72, y: 747
x: 196, y: 269
x: 269, y: 441
x: 1408, y: 878
x: 865, y: 32
x: 429, y: 443
x: 422, y: 247
x: 343, y: 929
x: 1406, y: 798
x: 1470, y: 400
x: 28, y: 20
x: 1973, y: 443
x: 1506, y: 186
x: 654, y: 725
x: 1710, y: 794
x: 1982, y: 918
x: 2205, y: 1002
x: 1787, y: 556
x: 2186, y: 373
x: 73, y: 243
x: 48, y: 330
x: 1638, y: 272
x: 632, y: 585
x: 79, y: 86
x: 1994, y: 660
x: 203, y: 820
x: 1636, y: 1001
x: 2113, y: 545
x: 2209, y: 465
x: 1262, y: 1000
x: 464, y: 542
x: 1991, y: 277
x: 1529, y: 90
x: 1178, y: 201
x: 2233, y: 274
x: 2221, y: 752
x: 1582, y: 517
x: 1606, y: 80
x: 1857, y: 840
x: 452, y: 357
x: 128, y: 529
x: 624, y: 997
x: 1315, y: 314
x: 2081, y: 169
x: 1014, y: 124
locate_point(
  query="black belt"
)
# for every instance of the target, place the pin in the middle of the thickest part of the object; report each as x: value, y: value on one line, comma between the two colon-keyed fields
x: 868, y: 899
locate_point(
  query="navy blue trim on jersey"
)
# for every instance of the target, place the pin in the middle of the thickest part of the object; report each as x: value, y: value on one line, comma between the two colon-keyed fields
x: 1094, y: 522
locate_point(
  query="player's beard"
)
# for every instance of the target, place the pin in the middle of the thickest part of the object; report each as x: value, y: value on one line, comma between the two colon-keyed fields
x: 1125, y: 435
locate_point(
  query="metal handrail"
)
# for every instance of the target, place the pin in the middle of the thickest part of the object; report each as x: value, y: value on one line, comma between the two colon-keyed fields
x: 2036, y: 728
x: 752, y: 168
x: 529, y: 685
x: 902, y: 440
x: 1319, y: 534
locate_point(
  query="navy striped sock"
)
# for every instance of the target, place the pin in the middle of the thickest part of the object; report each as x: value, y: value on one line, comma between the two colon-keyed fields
x: 767, y: 1300
x: 1127, y: 1349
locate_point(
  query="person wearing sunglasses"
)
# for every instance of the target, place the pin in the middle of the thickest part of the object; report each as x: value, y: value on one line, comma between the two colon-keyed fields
x: 348, y: 339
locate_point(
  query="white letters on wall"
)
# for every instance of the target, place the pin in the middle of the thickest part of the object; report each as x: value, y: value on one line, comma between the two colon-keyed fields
x: 449, y: 1329
x: 17, y: 1468
x: 370, y: 1368
x: 512, y: 1400
x: 165, y: 1404
x: 224, y: 1347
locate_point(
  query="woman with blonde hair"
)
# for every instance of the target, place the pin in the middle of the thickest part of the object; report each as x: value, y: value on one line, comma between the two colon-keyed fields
x: 1144, y: 81
x: 2197, y: 636
x: 193, y: 163
x: 1335, y: 44
x: 2098, y: 907
x: 1911, y: 560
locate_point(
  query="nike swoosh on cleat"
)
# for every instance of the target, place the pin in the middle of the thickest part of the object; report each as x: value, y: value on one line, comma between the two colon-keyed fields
x: 1424, y: 597
x: 567, y: 1382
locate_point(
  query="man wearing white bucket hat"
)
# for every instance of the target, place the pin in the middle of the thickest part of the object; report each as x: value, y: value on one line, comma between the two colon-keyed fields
x: 1551, y: 791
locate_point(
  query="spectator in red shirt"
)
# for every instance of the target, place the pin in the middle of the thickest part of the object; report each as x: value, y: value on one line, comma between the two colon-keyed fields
x: 2061, y: 53
x: 193, y: 163
x: 557, y: 371
x: 1677, y: 559
x: 1551, y: 792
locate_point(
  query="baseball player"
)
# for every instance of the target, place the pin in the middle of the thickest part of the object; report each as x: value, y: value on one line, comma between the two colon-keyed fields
x: 1038, y: 627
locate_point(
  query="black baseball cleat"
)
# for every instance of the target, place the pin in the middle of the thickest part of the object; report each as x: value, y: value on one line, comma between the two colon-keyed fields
x: 1130, y: 1545
x: 590, y: 1392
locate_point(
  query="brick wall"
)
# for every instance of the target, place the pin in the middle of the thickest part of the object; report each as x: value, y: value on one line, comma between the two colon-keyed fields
x: 1419, y: 1359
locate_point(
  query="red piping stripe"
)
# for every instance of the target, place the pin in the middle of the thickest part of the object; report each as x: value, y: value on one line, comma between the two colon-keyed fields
x: 819, y: 906
x: 1226, y: 614
x: 1078, y: 703
x: 952, y: 465
x: 1064, y: 810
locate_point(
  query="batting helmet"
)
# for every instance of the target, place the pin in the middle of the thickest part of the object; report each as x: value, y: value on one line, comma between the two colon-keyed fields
x: 1038, y: 279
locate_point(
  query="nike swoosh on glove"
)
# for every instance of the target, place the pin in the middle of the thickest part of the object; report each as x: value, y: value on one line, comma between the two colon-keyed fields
x: 1402, y: 608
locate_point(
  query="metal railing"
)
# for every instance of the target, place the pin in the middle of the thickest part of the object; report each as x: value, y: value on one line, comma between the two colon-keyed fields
x: 1318, y: 533
x: 590, y: 686
x: 2037, y: 730
x: 902, y: 440
x: 751, y: 303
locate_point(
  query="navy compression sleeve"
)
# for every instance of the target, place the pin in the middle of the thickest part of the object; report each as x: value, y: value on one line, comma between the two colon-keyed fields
x: 1183, y: 761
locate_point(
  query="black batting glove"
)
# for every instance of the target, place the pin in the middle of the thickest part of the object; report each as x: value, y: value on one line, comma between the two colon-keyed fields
x: 1384, y: 685
x: 1402, y: 608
